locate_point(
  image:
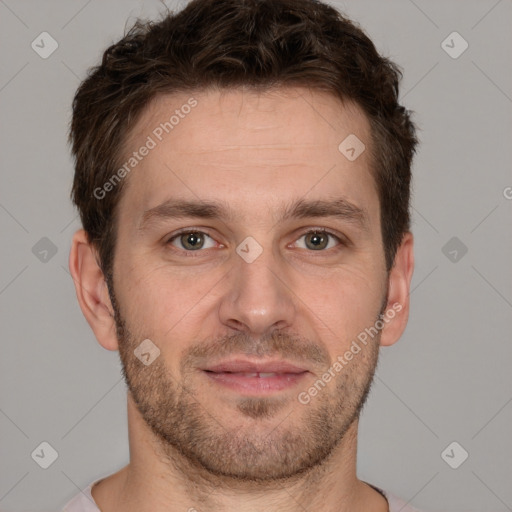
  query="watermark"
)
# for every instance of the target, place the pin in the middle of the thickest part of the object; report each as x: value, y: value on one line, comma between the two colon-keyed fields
x: 147, y: 352
x: 304, y: 397
x: 44, y: 45
x: 351, y: 147
x: 249, y: 249
x: 454, y: 45
x: 454, y: 249
x: 44, y: 249
x: 454, y: 455
x: 157, y: 135
x: 45, y: 455
x: 507, y: 192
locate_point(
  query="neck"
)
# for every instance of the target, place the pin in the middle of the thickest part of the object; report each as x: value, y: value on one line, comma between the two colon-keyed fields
x: 158, y: 478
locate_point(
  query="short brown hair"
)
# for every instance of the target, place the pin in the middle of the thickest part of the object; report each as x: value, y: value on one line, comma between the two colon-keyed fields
x: 231, y: 43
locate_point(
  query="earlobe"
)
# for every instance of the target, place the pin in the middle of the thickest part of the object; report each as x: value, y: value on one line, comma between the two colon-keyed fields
x: 91, y: 290
x: 397, y: 309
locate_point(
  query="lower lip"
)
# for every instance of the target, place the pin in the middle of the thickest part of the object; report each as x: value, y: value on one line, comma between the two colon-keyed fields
x: 256, y: 385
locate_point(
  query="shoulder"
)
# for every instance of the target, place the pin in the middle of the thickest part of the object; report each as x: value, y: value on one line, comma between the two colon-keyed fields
x: 82, y: 502
x: 398, y: 505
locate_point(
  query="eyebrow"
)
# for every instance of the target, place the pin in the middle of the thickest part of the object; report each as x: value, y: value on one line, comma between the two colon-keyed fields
x: 339, y: 208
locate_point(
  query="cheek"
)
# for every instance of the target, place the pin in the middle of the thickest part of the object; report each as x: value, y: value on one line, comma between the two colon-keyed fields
x: 350, y: 288
x: 165, y: 306
x: 346, y: 303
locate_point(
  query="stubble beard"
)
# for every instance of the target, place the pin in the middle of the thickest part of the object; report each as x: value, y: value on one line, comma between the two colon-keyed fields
x: 255, y: 449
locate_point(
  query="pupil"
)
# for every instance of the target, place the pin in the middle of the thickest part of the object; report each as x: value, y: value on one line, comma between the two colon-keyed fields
x: 317, y: 239
x: 193, y: 239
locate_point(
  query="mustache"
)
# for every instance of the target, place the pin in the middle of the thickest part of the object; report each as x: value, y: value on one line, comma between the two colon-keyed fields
x: 278, y: 345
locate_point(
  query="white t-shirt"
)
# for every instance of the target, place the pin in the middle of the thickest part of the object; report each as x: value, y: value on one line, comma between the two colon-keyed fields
x: 84, y: 502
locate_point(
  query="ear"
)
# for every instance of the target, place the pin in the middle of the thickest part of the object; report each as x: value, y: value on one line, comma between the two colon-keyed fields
x: 397, y: 308
x: 91, y: 290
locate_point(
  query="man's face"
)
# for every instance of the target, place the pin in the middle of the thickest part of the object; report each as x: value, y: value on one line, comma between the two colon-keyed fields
x: 222, y: 297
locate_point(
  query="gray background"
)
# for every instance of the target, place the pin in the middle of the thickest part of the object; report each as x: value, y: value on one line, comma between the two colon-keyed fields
x: 449, y: 377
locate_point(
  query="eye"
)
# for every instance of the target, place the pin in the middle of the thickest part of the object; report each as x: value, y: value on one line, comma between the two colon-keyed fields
x: 194, y: 240
x: 318, y: 240
x: 191, y: 240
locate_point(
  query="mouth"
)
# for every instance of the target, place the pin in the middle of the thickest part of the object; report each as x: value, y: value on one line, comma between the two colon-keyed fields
x: 252, y: 378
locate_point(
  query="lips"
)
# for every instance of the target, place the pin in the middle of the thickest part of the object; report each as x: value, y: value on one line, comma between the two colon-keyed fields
x: 251, y: 368
x: 255, y: 379
x: 261, y: 375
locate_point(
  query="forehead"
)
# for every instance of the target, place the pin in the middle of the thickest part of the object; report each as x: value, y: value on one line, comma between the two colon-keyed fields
x: 234, y: 115
x: 283, y: 142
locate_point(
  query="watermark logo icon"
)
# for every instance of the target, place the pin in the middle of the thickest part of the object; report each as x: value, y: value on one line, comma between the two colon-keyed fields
x: 454, y: 249
x: 351, y: 147
x: 454, y: 455
x: 44, y: 45
x: 44, y: 250
x: 44, y: 455
x: 454, y: 45
x: 147, y: 352
x: 249, y: 249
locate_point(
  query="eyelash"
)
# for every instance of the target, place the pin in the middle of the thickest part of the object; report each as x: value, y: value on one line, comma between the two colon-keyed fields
x: 188, y: 253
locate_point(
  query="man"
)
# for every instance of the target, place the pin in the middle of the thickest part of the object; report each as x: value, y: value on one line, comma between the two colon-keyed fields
x: 242, y: 176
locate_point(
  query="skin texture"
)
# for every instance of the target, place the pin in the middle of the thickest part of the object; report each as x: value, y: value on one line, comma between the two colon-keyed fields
x: 194, y: 443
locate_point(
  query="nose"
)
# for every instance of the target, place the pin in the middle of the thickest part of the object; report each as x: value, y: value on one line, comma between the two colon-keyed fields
x: 258, y: 299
